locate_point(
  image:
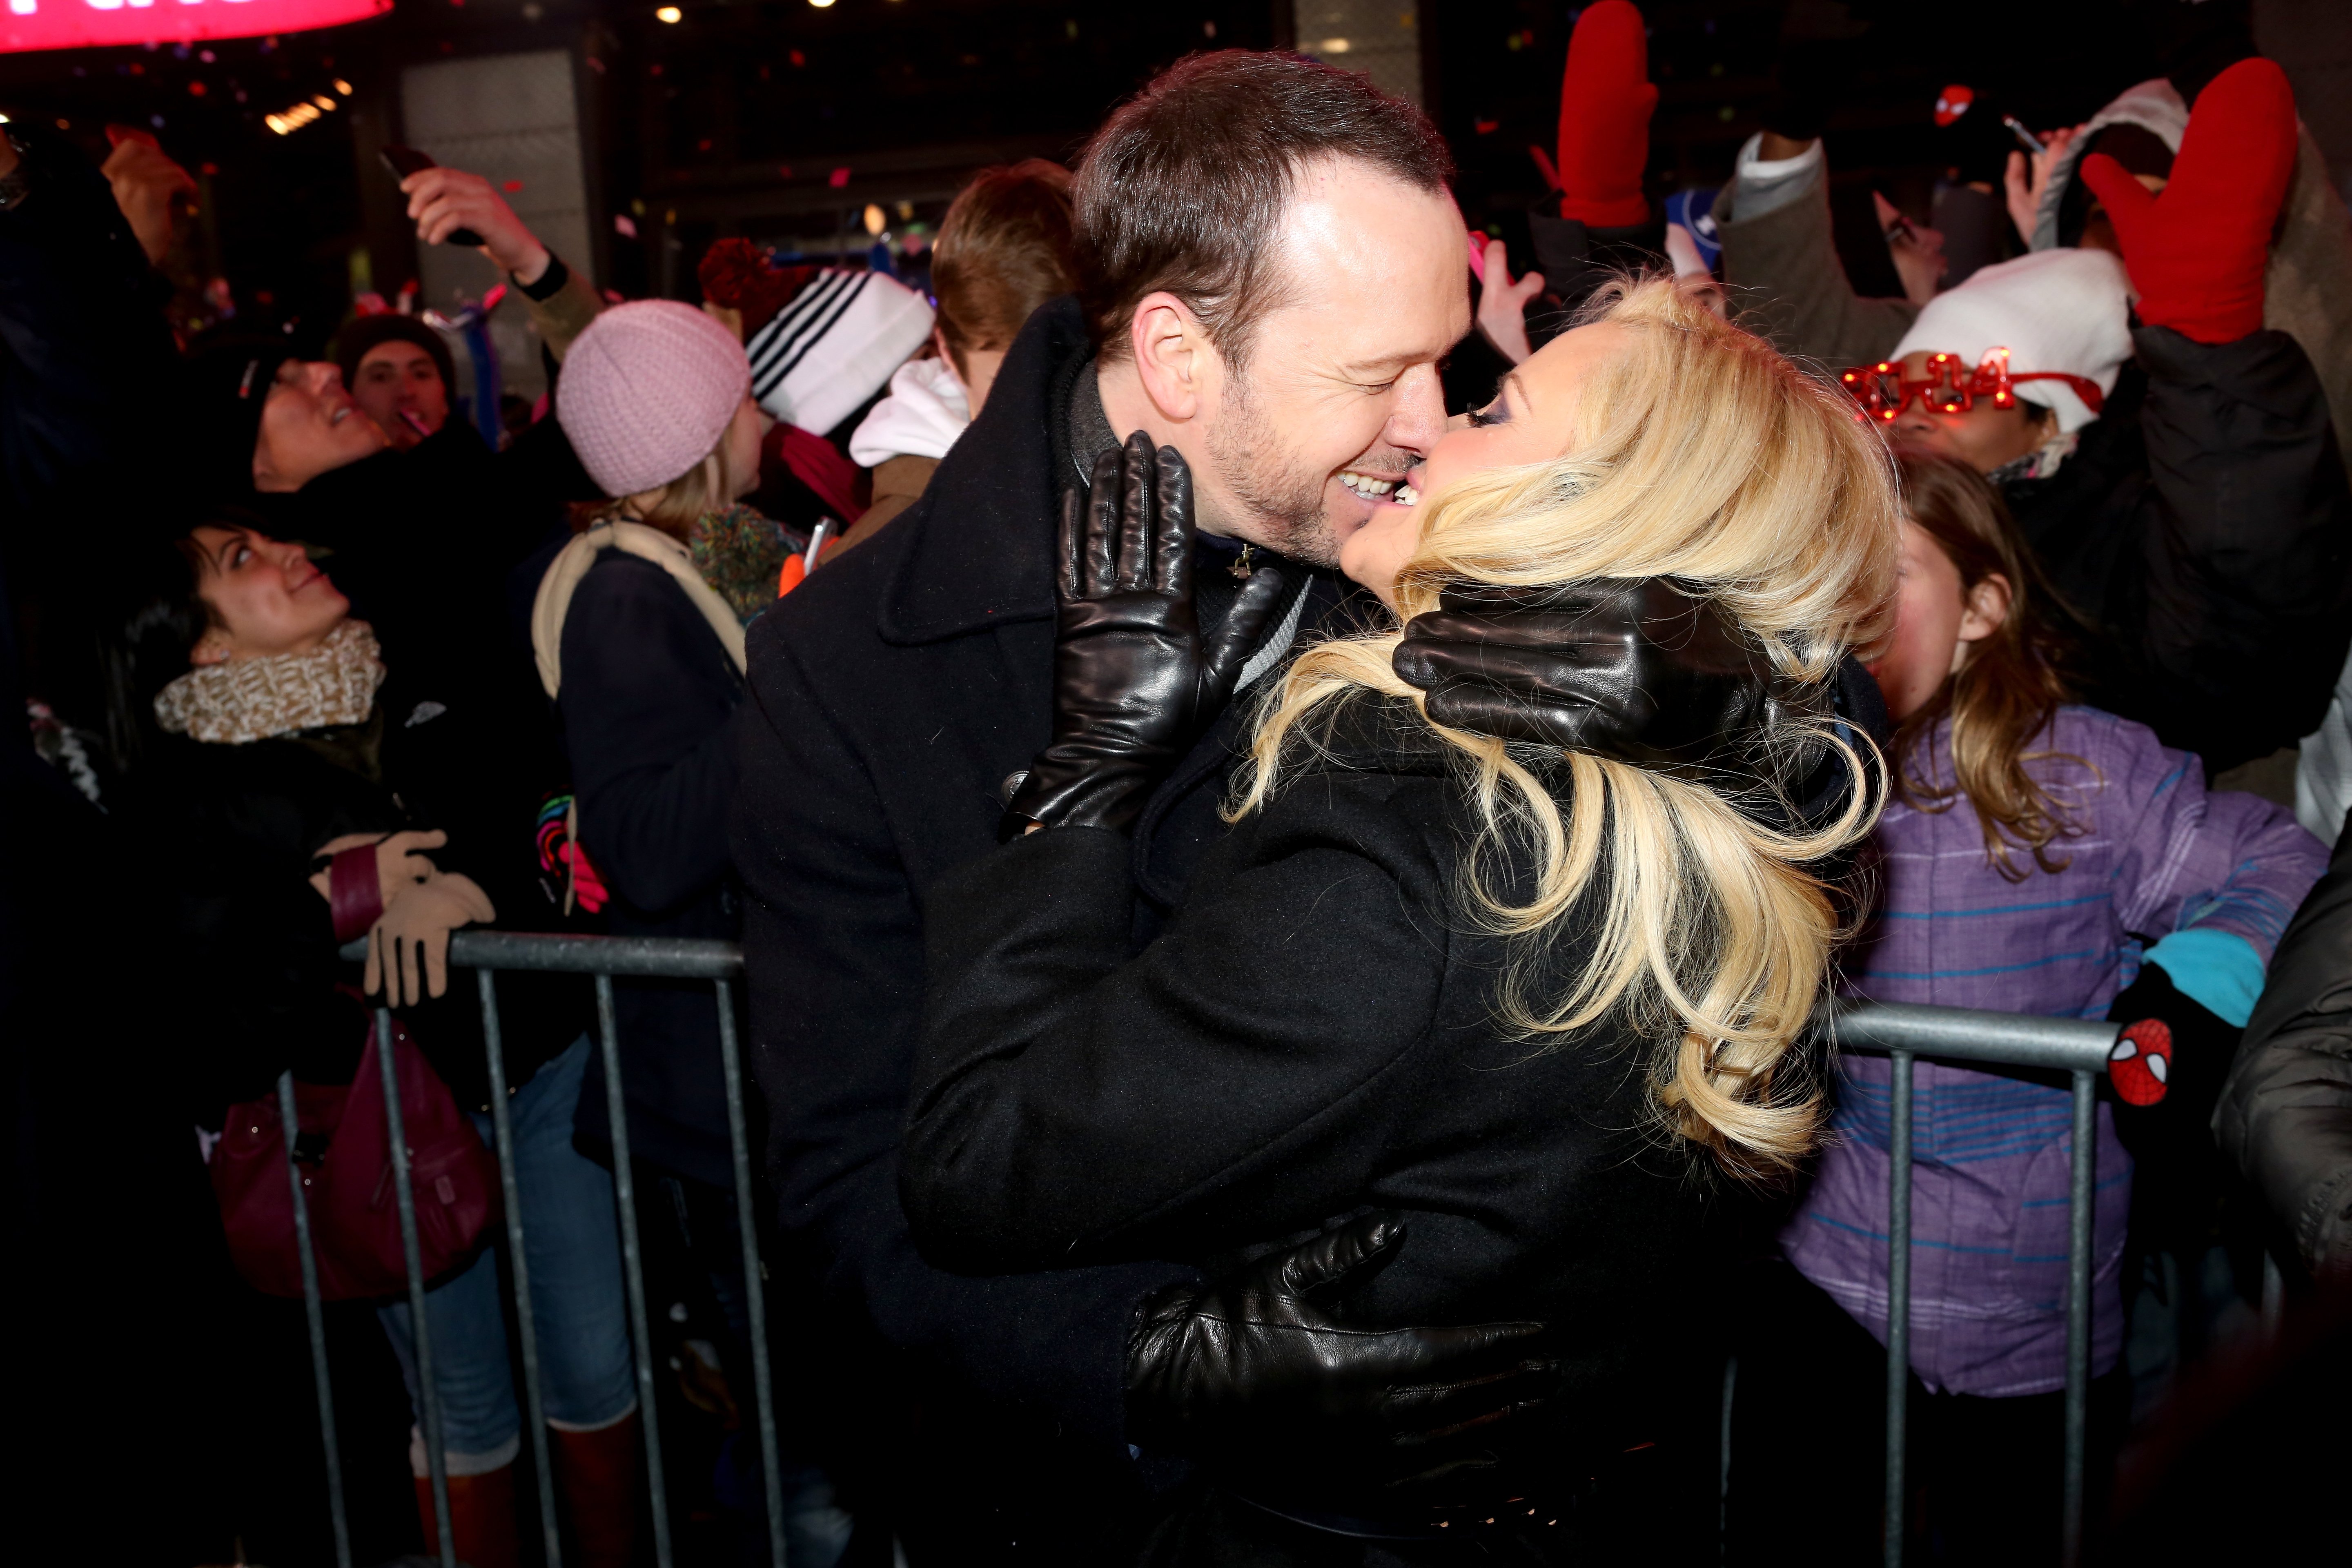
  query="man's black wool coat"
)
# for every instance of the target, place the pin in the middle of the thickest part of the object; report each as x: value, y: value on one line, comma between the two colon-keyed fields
x: 893, y: 693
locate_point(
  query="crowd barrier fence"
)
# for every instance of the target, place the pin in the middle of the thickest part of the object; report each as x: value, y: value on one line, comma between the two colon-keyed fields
x: 1904, y: 1033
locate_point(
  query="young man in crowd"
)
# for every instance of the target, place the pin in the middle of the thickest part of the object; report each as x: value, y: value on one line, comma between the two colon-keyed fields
x: 399, y: 373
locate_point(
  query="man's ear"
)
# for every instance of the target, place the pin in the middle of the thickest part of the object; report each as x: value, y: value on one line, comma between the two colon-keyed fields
x: 1173, y: 357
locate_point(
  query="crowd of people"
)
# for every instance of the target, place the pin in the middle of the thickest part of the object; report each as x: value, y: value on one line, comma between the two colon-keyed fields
x: 1289, y: 798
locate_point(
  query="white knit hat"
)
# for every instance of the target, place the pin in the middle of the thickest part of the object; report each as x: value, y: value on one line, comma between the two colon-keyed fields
x: 835, y: 347
x: 648, y: 390
x: 2065, y: 311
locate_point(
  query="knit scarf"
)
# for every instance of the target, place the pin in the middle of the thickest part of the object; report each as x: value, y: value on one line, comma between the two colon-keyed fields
x: 245, y: 700
x: 740, y: 552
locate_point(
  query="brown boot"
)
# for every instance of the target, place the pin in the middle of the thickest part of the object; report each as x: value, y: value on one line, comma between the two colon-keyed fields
x: 599, y: 1474
x: 481, y: 1517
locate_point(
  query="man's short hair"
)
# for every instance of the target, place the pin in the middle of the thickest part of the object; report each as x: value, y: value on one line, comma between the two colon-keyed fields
x: 1004, y: 250
x: 1183, y: 187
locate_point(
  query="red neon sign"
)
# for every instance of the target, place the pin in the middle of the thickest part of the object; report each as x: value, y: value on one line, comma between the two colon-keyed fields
x: 27, y: 24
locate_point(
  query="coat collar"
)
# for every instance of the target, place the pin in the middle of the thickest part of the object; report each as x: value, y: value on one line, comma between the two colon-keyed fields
x: 979, y: 546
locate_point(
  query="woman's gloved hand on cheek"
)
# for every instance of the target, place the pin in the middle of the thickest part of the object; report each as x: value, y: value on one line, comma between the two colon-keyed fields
x: 1135, y: 679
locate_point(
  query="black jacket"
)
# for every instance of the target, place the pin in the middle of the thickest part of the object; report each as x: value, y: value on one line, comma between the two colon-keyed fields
x: 1313, y: 1034
x: 893, y: 693
x: 2285, y: 1116
x: 254, y: 952
x: 2202, y: 533
x: 423, y: 541
x: 649, y: 701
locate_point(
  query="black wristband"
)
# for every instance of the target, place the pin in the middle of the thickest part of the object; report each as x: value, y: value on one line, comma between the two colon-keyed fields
x: 550, y: 282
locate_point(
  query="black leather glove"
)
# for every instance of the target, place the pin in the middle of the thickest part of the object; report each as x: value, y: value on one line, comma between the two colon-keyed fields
x: 1250, y: 1367
x: 1630, y: 670
x: 1135, y: 681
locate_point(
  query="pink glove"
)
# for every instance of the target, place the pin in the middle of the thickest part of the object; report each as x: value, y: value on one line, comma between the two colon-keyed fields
x: 2197, y: 251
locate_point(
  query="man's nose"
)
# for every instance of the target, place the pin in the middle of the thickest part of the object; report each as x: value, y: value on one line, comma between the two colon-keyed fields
x: 1417, y: 419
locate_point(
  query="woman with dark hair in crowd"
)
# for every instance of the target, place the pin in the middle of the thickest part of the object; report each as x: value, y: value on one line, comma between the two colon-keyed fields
x: 638, y: 631
x: 2038, y: 856
x: 273, y: 757
x: 1541, y: 1010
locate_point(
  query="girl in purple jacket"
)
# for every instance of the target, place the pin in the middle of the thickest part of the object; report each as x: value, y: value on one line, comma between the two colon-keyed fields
x: 2035, y: 856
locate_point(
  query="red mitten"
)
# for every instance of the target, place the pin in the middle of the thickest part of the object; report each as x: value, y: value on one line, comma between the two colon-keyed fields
x: 2197, y: 251
x: 1605, y: 100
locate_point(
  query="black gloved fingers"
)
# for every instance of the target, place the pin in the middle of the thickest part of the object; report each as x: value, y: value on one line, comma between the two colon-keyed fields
x: 1171, y: 569
x: 1070, y: 545
x: 1604, y: 635
x: 1138, y: 549
x: 1263, y: 597
x: 1327, y: 1259
x: 1569, y: 669
x: 1428, y: 1413
x: 1484, y: 710
x: 1099, y: 577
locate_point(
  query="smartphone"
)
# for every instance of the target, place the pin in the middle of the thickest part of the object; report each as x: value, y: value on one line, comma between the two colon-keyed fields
x: 2032, y: 143
x: 406, y: 160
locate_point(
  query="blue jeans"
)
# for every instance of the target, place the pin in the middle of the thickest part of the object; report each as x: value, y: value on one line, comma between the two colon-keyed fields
x: 571, y: 1241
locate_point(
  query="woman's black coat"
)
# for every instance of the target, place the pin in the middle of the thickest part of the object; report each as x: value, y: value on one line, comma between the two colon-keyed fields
x: 254, y: 951
x: 1313, y: 1034
x: 648, y: 700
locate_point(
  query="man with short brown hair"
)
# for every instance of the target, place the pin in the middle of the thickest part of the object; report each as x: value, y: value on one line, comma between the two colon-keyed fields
x: 1272, y: 269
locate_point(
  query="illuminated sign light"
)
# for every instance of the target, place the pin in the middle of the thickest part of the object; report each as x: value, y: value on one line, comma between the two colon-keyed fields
x: 301, y: 114
x: 28, y: 25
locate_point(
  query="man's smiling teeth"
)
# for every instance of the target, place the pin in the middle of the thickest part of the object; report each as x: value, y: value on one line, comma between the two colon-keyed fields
x: 1365, y: 485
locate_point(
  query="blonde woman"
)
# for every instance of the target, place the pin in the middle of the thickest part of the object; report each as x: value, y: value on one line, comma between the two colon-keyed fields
x: 1526, y: 1019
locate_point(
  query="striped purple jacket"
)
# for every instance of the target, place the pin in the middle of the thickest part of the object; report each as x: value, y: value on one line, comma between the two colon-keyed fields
x: 2159, y: 857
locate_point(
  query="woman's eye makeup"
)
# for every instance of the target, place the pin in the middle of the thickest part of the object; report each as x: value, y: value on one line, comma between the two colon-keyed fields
x: 1495, y: 413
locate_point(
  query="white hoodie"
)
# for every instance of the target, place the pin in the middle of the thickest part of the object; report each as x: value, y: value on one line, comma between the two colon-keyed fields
x: 926, y: 411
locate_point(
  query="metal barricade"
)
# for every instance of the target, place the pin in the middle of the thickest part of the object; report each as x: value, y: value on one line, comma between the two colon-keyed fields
x: 1904, y: 1032
x: 2077, y: 1047
x: 604, y: 958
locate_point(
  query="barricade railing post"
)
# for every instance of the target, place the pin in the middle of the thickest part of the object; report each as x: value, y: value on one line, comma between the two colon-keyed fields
x: 2081, y: 1179
x: 314, y: 1309
x: 511, y: 1192
x: 437, y: 1458
x: 755, y: 1293
x: 1898, y: 1307
x: 624, y: 1192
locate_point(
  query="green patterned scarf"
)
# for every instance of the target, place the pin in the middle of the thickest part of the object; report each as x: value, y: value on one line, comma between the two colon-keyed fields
x: 740, y: 552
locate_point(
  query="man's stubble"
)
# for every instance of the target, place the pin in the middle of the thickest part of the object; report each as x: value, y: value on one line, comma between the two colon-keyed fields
x: 1281, y: 503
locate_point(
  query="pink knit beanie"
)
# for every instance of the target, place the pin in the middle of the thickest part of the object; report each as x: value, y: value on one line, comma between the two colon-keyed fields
x: 646, y: 391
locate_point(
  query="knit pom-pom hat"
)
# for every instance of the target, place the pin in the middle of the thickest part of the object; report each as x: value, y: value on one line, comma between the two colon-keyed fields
x: 646, y: 391
x: 2064, y: 310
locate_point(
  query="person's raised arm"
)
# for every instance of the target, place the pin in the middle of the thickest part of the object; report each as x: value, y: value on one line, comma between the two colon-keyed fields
x: 562, y: 301
x: 2247, y: 536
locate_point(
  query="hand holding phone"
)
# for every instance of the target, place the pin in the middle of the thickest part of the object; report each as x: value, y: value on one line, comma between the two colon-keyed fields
x: 406, y: 160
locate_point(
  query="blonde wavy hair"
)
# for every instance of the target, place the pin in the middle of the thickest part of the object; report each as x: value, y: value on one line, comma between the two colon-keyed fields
x: 1703, y: 457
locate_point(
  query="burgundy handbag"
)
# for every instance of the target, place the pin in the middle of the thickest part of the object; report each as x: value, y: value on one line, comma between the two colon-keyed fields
x: 354, y: 1215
